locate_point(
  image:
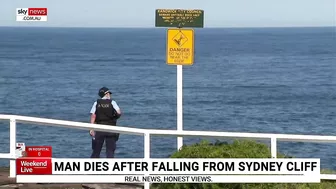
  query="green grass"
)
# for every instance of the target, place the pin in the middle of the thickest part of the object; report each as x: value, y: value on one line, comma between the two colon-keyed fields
x: 237, y: 149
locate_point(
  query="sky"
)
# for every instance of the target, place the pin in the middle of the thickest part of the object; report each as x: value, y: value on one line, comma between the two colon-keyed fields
x: 141, y: 13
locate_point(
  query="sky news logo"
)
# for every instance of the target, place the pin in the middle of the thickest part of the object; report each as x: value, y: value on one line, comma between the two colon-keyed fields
x: 31, y: 14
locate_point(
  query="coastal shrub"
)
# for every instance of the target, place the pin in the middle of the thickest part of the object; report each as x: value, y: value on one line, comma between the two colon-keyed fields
x: 236, y: 149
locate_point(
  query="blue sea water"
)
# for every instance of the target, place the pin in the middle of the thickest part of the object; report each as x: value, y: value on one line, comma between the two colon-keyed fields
x: 268, y: 80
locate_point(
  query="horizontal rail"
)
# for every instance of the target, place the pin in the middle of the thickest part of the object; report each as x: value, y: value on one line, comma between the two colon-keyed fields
x: 162, y: 132
x: 6, y: 156
x: 262, y: 136
x: 73, y: 124
x: 328, y: 177
x: 158, y: 132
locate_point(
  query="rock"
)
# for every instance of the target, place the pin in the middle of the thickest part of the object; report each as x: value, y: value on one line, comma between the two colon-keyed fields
x: 9, y: 183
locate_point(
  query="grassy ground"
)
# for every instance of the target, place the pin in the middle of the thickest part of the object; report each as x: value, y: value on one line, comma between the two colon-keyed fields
x: 237, y: 149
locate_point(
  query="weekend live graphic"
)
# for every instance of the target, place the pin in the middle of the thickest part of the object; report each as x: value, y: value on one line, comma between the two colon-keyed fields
x: 36, y: 165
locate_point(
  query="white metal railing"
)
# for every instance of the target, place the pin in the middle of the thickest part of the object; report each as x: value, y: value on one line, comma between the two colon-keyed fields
x: 147, y: 133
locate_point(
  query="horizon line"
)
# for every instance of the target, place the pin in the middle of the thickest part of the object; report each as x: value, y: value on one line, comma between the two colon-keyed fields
x: 153, y: 27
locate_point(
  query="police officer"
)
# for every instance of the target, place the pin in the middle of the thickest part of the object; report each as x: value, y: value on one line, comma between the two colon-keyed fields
x: 104, y: 111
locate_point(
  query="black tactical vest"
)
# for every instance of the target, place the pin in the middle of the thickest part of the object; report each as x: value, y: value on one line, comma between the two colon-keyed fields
x: 105, y: 113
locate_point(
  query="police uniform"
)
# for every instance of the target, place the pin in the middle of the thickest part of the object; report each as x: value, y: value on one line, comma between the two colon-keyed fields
x: 106, y: 113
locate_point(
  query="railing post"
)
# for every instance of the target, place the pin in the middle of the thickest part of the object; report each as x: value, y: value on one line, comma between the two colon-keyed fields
x: 274, y: 147
x: 147, y: 153
x: 179, y: 104
x: 12, y: 147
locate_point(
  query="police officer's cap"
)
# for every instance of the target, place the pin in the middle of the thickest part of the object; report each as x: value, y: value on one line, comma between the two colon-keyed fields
x: 103, y: 91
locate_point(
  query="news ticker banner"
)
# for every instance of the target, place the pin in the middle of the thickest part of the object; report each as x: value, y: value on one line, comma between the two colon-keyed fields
x: 167, y: 170
x: 32, y: 14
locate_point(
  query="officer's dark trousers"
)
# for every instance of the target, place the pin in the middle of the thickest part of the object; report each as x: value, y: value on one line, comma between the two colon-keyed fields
x: 97, y: 144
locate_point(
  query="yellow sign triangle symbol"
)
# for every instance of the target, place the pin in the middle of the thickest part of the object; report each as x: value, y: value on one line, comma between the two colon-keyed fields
x: 180, y: 39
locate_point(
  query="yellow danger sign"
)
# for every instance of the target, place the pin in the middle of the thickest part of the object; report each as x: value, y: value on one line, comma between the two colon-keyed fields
x: 180, y: 46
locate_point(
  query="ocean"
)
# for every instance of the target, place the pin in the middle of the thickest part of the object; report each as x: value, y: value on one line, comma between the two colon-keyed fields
x: 267, y: 80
